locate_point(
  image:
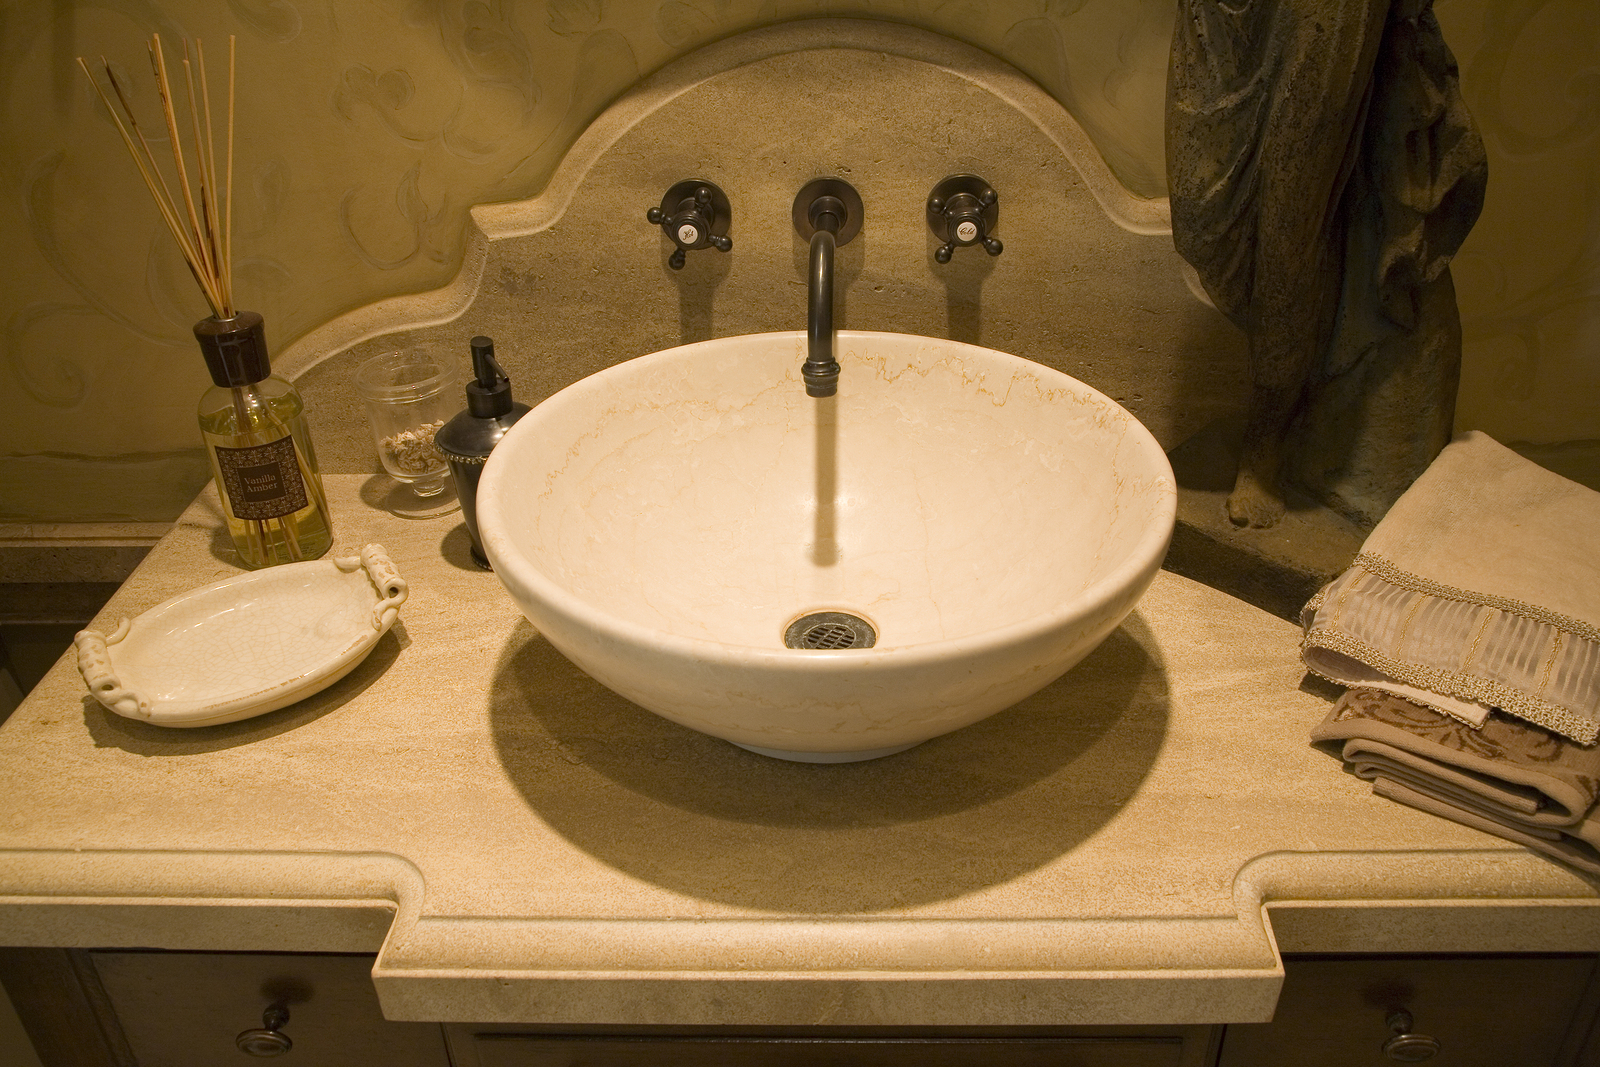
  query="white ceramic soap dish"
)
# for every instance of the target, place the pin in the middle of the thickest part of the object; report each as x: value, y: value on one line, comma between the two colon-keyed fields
x: 245, y: 645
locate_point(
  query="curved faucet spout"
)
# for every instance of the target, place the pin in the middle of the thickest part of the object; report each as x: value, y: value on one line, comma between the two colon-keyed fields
x: 821, y: 370
x: 827, y: 212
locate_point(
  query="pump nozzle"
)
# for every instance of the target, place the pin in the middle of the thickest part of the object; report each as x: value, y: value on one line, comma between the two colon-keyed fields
x: 489, y: 396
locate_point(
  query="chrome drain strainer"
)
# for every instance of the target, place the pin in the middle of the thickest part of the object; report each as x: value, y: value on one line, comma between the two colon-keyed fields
x: 830, y: 630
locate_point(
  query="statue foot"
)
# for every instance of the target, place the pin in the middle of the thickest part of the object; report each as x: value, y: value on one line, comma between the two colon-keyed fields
x: 1252, y: 506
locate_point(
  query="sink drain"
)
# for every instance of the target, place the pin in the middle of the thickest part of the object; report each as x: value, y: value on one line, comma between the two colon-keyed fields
x: 830, y: 630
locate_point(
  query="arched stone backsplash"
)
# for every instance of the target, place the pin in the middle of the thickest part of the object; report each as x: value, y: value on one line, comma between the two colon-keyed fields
x: 576, y: 279
x: 367, y: 131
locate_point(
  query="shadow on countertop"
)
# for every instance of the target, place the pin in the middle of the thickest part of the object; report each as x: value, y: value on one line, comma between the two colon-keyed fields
x: 699, y: 816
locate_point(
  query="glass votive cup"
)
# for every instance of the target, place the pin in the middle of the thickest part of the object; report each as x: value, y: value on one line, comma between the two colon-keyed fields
x: 408, y: 398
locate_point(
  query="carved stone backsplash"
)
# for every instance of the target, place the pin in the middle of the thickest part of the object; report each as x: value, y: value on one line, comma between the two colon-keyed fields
x: 577, y: 279
x: 368, y: 131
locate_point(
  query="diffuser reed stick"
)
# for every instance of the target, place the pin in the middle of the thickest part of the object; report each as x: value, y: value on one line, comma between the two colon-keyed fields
x: 203, y: 232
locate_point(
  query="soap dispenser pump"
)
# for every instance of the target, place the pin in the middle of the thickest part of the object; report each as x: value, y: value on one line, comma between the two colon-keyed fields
x: 466, y: 440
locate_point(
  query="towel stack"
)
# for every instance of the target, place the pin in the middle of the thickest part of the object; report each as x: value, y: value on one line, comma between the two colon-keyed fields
x: 1469, y: 632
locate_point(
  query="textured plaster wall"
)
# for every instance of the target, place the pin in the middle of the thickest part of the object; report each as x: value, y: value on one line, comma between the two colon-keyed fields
x: 1528, y: 279
x: 368, y: 128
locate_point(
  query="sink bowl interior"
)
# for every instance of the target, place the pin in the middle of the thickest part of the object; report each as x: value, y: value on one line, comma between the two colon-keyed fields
x: 680, y: 510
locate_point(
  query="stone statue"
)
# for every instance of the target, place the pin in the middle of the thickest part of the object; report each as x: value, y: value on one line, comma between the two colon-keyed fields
x: 1323, y: 170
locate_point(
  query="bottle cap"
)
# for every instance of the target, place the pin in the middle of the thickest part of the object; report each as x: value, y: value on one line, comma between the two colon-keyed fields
x: 235, y: 349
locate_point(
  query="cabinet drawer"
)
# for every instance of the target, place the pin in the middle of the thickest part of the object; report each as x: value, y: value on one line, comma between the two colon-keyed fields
x: 184, y: 1009
x: 543, y: 1050
x: 1483, y: 1012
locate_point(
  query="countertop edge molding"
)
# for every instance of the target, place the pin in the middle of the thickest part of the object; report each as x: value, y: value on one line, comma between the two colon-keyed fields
x: 502, y: 221
x: 241, y: 901
x: 858, y: 970
x: 1454, y: 875
x: 1420, y: 901
x: 1127, y: 999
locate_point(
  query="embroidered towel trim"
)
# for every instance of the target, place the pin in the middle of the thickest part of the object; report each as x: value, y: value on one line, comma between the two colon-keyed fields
x: 1512, y: 779
x: 1521, y: 542
x: 1455, y: 651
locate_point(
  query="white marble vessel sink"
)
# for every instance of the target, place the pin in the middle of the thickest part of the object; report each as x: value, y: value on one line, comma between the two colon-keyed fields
x: 663, y: 522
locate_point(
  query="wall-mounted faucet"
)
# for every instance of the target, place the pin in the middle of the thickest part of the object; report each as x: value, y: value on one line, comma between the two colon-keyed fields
x: 962, y: 211
x: 828, y: 213
x: 694, y: 214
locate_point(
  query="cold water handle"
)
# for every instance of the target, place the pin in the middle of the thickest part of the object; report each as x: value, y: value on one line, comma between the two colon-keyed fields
x: 963, y: 210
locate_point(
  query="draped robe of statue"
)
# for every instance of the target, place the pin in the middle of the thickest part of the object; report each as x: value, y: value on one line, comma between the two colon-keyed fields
x: 1323, y: 170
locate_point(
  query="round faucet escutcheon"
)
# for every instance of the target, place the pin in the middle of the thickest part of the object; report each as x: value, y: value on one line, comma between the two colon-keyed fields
x: 963, y: 210
x: 693, y: 214
x: 814, y: 194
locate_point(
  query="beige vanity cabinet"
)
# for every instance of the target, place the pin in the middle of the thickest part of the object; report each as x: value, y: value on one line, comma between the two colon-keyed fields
x: 1173, y: 1046
x: 1478, y: 1011
x: 188, y: 1009
x: 1335, y: 1011
x: 182, y: 1009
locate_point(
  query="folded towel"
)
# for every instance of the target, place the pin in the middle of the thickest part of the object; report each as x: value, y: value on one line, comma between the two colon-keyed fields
x: 1509, y: 778
x: 1479, y: 590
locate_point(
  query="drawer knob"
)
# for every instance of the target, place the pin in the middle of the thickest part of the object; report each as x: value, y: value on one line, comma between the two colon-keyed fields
x: 1405, y: 1046
x: 270, y: 1040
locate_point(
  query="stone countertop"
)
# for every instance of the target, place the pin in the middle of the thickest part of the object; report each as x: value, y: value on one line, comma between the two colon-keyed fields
x: 1135, y: 844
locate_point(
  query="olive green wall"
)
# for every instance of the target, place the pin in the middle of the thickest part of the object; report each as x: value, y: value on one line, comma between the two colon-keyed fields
x: 368, y: 127
x: 1528, y: 278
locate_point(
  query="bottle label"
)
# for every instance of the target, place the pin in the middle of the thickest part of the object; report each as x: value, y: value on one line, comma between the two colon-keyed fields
x: 262, y: 481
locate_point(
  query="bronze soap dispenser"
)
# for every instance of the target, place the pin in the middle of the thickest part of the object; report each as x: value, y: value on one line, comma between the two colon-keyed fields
x: 466, y: 440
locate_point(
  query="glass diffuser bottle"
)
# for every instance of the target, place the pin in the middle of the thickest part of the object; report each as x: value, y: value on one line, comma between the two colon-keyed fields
x: 260, y: 448
x: 252, y: 421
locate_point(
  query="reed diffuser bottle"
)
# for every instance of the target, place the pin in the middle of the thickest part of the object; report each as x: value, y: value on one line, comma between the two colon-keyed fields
x: 260, y: 449
x: 251, y: 420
